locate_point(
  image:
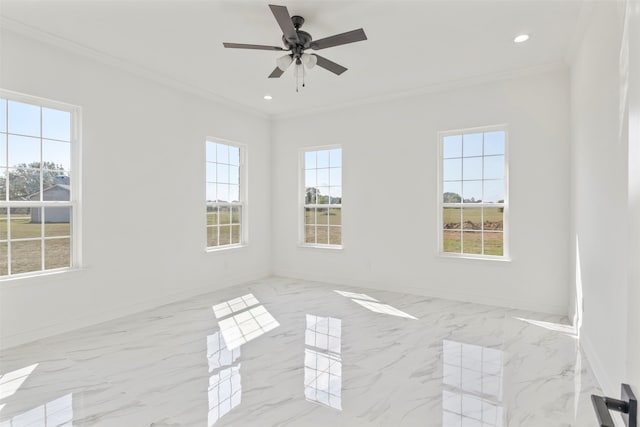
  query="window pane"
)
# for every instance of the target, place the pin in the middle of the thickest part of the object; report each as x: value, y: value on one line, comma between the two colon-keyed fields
x: 310, y: 234
x: 336, y: 195
x: 212, y: 215
x: 494, y: 167
x: 494, y: 191
x: 235, y: 234
x: 212, y: 193
x: 24, y: 184
x: 335, y: 176
x: 26, y: 223
x: 212, y: 236
x: 234, y: 174
x: 24, y: 119
x: 3, y: 224
x: 493, y: 243
x: 224, y: 215
x: 211, y: 151
x: 57, y: 253
x: 452, y: 170
x: 56, y: 124
x: 310, y: 160
x: 24, y: 151
x: 452, y: 241
x: 222, y: 175
x: 323, y: 177
x: 472, y: 145
x: 234, y: 193
x: 493, y: 219
x: 322, y: 235
x: 56, y: 187
x: 225, y: 235
x: 310, y: 178
x: 451, y: 192
x: 309, y: 216
x: 3, y: 149
x: 236, y: 216
x: 452, y: 146
x: 472, y: 218
x: 311, y: 196
x: 335, y: 235
x: 494, y: 143
x: 3, y: 115
x: 223, y: 192
x: 472, y: 191
x: 451, y: 218
x: 57, y: 221
x: 322, y: 216
x: 4, y: 259
x: 335, y: 216
x: 472, y: 168
x: 323, y: 195
x: 234, y: 155
x: 335, y: 158
x: 211, y: 172
x: 472, y: 242
x: 222, y: 153
x: 26, y: 256
x: 323, y: 159
x: 3, y: 184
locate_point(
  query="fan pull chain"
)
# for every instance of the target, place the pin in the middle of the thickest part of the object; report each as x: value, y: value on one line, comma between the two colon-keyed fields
x: 303, y: 85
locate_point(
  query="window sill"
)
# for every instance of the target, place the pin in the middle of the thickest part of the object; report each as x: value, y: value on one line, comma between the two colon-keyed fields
x: 225, y: 248
x: 330, y: 248
x: 465, y: 257
x: 8, y: 281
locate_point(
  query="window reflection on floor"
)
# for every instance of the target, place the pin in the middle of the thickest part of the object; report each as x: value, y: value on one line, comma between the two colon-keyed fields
x: 473, y: 378
x: 10, y: 382
x: 225, y: 388
x: 57, y: 412
x: 246, y: 324
x: 323, y: 361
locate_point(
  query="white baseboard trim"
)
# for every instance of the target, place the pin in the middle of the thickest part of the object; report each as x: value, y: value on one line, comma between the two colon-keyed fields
x: 122, y: 311
x: 430, y: 292
x: 604, y: 380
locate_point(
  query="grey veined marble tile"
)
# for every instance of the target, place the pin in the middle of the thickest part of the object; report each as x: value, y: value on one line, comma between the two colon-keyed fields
x: 285, y: 352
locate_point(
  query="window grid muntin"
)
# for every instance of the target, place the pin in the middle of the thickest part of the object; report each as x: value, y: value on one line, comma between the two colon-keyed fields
x: 231, y: 206
x: 470, y: 205
x: 7, y: 97
x: 316, y: 225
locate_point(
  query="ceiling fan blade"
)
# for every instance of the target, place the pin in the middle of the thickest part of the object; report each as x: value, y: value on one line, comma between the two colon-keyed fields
x: 250, y: 46
x: 339, y: 39
x: 329, y: 65
x: 277, y: 72
x: 284, y: 20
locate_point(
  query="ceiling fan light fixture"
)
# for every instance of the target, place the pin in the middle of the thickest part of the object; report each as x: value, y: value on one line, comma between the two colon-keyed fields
x: 309, y: 61
x: 284, y: 61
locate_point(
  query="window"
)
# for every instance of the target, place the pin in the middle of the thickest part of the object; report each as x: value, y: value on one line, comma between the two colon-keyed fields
x: 322, y: 196
x: 473, y: 183
x: 39, y: 176
x: 225, y: 194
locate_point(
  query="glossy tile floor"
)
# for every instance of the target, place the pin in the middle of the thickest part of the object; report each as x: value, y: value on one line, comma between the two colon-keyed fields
x: 284, y: 352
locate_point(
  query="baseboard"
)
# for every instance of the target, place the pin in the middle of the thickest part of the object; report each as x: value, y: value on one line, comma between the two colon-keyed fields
x: 122, y: 311
x: 431, y: 292
x: 605, y: 382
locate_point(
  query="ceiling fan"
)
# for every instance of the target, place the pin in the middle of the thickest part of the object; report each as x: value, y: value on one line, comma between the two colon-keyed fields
x: 297, y: 41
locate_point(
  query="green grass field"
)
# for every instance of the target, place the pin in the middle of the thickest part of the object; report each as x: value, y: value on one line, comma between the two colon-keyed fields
x: 26, y: 255
x: 467, y: 230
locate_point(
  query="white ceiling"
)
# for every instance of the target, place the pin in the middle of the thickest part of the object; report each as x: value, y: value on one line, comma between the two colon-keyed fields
x: 412, y: 45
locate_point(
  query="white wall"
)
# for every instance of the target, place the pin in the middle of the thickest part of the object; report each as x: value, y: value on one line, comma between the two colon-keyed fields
x: 143, y: 194
x: 390, y: 185
x: 603, y: 217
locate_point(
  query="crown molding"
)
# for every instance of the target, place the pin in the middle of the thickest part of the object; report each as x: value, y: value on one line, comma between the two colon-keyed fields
x: 19, y: 28
x: 434, y: 88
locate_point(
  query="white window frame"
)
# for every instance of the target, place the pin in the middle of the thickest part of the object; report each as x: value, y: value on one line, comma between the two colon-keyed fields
x: 302, y: 197
x: 75, y: 175
x: 242, y: 195
x: 441, y: 205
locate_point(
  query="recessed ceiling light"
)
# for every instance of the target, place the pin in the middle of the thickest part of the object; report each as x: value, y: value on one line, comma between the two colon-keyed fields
x: 521, y: 38
x: 268, y: 97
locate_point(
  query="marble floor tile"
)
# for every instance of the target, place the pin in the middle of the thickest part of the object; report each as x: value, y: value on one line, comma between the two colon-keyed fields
x: 285, y: 352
